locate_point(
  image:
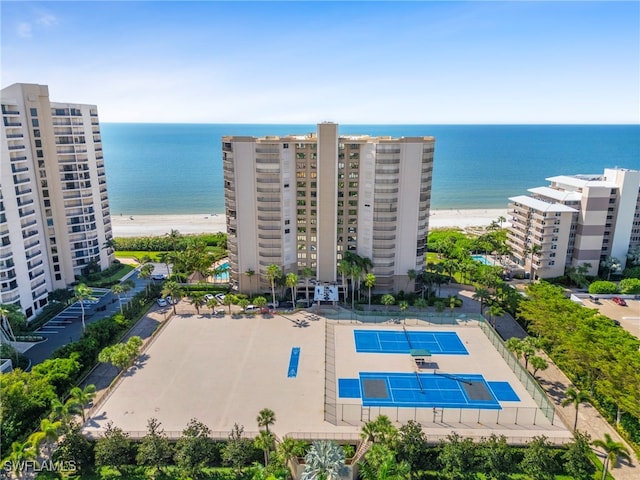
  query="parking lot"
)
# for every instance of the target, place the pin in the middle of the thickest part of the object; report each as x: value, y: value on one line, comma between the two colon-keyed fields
x: 629, y: 316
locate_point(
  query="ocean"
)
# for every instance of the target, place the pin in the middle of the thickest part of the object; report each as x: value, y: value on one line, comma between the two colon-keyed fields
x: 177, y: 168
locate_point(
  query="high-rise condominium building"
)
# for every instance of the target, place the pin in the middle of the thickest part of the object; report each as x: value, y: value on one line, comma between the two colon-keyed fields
x: 54, y: 210
x: 577, y: 220
x: 305, y: 200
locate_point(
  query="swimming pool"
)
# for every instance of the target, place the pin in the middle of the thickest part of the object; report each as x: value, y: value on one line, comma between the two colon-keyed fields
x: 484, y: 260
x: 223, y: 277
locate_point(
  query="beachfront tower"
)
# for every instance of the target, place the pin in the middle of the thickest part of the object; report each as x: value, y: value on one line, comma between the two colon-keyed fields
x: 304, y: 201
x: 578, y: 220
x: 54, y: 209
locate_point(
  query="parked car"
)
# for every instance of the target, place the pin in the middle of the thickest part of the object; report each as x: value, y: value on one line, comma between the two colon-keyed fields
x: 220, y: 311
x: 273, y: 305
x: 286, y: 305
x: 619, y: 301
x: 304, y: 304
x: 170, y: 301
x: 161, y: 302
x: 208, y: 297
x: 220, y: 297
x: 158, y: 276
x: 251, y: 308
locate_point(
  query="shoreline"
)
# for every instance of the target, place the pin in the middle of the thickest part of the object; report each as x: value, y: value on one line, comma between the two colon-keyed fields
x: 156, y: 225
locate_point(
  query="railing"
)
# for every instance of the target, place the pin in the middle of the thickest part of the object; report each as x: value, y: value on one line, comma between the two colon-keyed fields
x: 529, y: 383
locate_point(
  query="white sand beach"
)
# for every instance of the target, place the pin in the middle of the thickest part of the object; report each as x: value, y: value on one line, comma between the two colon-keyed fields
x: 152, y: 225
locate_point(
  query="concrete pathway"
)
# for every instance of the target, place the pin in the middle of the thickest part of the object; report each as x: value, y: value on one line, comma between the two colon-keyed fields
x: 556, y: 383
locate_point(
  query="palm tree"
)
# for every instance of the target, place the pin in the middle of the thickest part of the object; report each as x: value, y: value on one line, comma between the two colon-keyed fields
x: 117, y: 290
x: 174, y: 236
x: 483, y: 296
x: 21, y: 452
x: 403, y: 305
x: 165, y: 257
x: 387, y: 300
x: 82, y: 293
x: 63, y: 411
x: 6, y: 326
x: 576, y: 397
x: 612, y: 450
x: 265, y: 418
x: 264, y: 441
x: 533, y: 250
x: 495, y: 311
x: 501, y: 220
x: 412, y: 274
x: 369, y: 282
x: 82, y: 397
x: 212, y: 303
x: 289, y: 449
x: 109, y: 244
x: 272, y: 273
x: 229, y: 300
x: 197, y: 300
x: 249, y: 272
x: 48, y: 434
x: 356, y: 271
x: 292, y: 282
x: 174, y: 290
x: 307, y: 273
x: 145, y: 273
x: 325, y: 460
x: 344, y: 269
x: 610, y: 264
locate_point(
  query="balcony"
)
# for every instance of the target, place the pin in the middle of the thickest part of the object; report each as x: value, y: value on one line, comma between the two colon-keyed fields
x: 13, y: 148
x: 23, y: 192
x: 29, y: 234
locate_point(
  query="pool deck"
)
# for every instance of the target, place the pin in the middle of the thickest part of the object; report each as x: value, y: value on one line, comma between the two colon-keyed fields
x: 224, y: 370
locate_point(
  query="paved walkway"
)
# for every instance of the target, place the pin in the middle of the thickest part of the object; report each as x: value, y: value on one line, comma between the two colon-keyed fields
x: 556, y: 383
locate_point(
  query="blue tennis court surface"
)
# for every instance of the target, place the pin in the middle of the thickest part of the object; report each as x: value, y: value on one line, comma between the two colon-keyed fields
x: 398, y: 341
x: 503, y: 392
x: 293, y: 362
x: 349, y: 388
x: 420, y: 390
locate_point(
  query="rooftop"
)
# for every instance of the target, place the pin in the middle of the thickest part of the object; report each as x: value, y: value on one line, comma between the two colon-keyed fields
x: 540, y: 205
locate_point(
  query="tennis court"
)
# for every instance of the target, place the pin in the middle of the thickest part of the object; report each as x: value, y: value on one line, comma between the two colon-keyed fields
x: 403, y: 341
x: 421, y: 390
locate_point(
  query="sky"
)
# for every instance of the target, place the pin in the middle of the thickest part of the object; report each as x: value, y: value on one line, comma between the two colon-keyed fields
x: 363, y: 62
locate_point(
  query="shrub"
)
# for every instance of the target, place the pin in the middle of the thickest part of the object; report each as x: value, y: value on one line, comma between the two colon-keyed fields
x: 603, y: 287
x: 630, y: 286
x: 631, y: 272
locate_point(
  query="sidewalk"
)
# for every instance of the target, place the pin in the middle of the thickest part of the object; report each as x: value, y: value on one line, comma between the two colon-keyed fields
x: 555, y: 383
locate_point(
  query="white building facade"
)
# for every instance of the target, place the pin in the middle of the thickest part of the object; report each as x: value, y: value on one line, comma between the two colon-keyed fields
x: 304, y: 200
x: 54, y: 209
x: 576, y: 221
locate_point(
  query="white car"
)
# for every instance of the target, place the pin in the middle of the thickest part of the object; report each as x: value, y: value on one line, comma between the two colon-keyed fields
x: 158, y: 276
x: 251, y: 308
x: 161, y: 302
x: 208, y: 297
x: 170, y: 300
x: 220, y: 297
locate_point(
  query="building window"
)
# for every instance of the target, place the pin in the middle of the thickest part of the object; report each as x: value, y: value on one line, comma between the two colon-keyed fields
x: 285, y: 145
x: 287, y: 230
x: 34, y: 122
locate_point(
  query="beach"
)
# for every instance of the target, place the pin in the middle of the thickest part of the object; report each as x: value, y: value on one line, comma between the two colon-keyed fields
x: 155, y: 225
